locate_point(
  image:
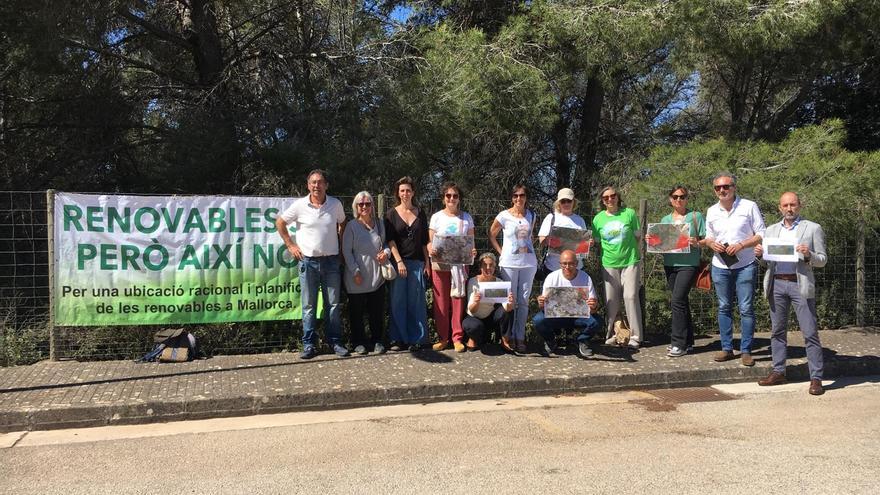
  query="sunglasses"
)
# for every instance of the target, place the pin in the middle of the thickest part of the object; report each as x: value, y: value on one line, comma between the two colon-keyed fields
x: 519, y: 195
x: 451, y: 196
x: 365, y: 205
x: 679, y: 196
x: 723, y: 186
x: 610, y: 196
x: 565, y: 201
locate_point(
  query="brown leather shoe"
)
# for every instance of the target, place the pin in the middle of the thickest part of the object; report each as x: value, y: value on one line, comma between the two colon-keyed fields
x: 747, y: 359
x: 816, y: 387
x: 722, y: 356
x: 774, y: 378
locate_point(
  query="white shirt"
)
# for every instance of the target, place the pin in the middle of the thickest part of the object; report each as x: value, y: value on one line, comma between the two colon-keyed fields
x: 443, y: 224
x: 517, y: 248
x: 739, y: 224
x: 572, y: 221
x: 484, y: 309
x: 316, y: 227
x: 557, y: 279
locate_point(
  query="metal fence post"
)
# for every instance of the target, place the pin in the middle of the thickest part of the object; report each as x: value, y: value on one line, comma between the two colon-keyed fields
x: 860, y: 268
x: 50, y: 236
x: 643, y: 227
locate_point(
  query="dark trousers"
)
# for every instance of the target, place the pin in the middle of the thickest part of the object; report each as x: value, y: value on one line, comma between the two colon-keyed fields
x: 480, y: 328
x: 373, y: 303
x: 679, y: 280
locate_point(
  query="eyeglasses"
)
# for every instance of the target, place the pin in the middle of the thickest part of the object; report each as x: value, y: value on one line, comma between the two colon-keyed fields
x: 679, y: 196
x: 565, y: 201
x: 610, y: 196
x: 724, y: 186
x: 519, y: 195
x: 568, y: 263
x: 451, y: 196
x: 365, y: 205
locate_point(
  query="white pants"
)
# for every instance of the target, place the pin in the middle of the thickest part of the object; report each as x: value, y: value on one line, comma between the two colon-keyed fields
x: 623, y: 282
x: 521, y: 285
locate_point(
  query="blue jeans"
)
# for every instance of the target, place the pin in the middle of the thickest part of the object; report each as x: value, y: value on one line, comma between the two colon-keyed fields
x: 321, y: 272
x: 409, y: 310
x: 547, y: 327
x: 739, y: 282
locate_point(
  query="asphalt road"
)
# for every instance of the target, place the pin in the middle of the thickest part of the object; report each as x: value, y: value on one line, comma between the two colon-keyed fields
x: 777, y: 441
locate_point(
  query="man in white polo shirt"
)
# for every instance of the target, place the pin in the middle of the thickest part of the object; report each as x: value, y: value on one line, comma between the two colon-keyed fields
x: 319, y: 220
x: 734, y: 226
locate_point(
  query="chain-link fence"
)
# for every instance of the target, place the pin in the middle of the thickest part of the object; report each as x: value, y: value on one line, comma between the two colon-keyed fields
x: 847, y: 289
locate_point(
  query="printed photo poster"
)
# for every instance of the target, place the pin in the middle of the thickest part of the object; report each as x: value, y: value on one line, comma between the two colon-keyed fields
x: 668, y: 238
x: 567, y: 302
x: 565, y: 238
x: 453, y: 249
x: 776, y: 249
x: 494, y: 292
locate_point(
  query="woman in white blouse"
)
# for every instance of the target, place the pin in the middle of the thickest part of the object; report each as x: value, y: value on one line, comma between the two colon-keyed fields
x: 517, y: 261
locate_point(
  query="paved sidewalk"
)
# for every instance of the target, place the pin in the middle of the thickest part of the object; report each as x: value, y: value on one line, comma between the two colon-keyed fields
x: 69, y: 394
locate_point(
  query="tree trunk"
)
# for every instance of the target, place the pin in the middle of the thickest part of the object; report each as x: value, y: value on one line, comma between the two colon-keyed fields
x: 588, y: 142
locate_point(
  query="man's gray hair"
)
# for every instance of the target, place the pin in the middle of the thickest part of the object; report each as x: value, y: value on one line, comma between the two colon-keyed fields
x: 724, y: 174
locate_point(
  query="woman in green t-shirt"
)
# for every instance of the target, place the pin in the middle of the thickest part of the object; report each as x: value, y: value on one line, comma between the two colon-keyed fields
x: 681, y: 269
x: 617, y: 228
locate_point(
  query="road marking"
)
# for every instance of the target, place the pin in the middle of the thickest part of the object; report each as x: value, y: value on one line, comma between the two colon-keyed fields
x: 799, y: 387
x: 109, y: 433
x: 8, y: 440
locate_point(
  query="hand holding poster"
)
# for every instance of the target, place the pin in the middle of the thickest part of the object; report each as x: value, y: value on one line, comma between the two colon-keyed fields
x: 453, y: 249
x: 494, y: 292
x: 776, y: 249
x: 668, y: 238
x: 567, y: 302
x: 567, y: 238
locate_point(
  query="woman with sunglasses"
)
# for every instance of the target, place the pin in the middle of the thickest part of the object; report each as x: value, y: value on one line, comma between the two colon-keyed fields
x: 450, y: 281
x: 517, y: 261
x: 563, y: 215
x: 364, y: 250
x: 406, y: 227
x: 617, y: 229
x: 681, y: 269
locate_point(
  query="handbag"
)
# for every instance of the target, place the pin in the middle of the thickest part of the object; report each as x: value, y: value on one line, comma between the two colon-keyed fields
x: 388, y: 271
x: 543, y: 271
x: 703, y: 280
x: 622, y: 332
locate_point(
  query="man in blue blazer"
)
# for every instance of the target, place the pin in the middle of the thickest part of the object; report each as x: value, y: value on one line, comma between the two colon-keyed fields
x: 789, y: 284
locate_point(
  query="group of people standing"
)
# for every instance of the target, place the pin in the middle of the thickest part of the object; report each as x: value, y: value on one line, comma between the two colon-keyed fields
x: 398, y: 250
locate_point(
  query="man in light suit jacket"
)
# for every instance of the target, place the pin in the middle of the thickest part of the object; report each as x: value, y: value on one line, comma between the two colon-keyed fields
x: 792, y: 283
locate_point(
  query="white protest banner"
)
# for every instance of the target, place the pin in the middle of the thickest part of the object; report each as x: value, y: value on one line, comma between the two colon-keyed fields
x: 143, y: 260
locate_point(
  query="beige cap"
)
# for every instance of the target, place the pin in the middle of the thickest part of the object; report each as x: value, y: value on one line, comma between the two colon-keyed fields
x: 565, y: 193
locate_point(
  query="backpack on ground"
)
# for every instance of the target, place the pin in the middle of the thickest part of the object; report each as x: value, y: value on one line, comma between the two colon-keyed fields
x: 173, y: 345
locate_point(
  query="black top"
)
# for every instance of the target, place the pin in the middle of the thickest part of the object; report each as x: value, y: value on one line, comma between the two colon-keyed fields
x: 410, y: 239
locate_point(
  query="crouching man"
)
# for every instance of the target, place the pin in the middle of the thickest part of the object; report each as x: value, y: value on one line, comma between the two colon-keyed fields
x: 567, y: 276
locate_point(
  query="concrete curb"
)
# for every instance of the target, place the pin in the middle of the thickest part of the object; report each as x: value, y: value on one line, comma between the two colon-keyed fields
x: 72, y: 416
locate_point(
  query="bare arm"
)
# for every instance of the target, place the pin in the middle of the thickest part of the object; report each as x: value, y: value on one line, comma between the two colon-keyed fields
x: 292, y: 248
x: 493, y: 235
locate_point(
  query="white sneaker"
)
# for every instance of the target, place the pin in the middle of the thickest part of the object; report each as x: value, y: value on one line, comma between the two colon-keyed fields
x: 676, y: 352
x: 633, y: 343
x: 611, y: 341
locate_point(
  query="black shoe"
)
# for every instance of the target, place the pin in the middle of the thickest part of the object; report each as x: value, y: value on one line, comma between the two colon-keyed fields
x: 550, y: 350
x: 415, y: 347
x: 308, y: 352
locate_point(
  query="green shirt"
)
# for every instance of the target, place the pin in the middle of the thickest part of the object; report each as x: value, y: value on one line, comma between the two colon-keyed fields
x: 692, y: 258
x: 617, y: 233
